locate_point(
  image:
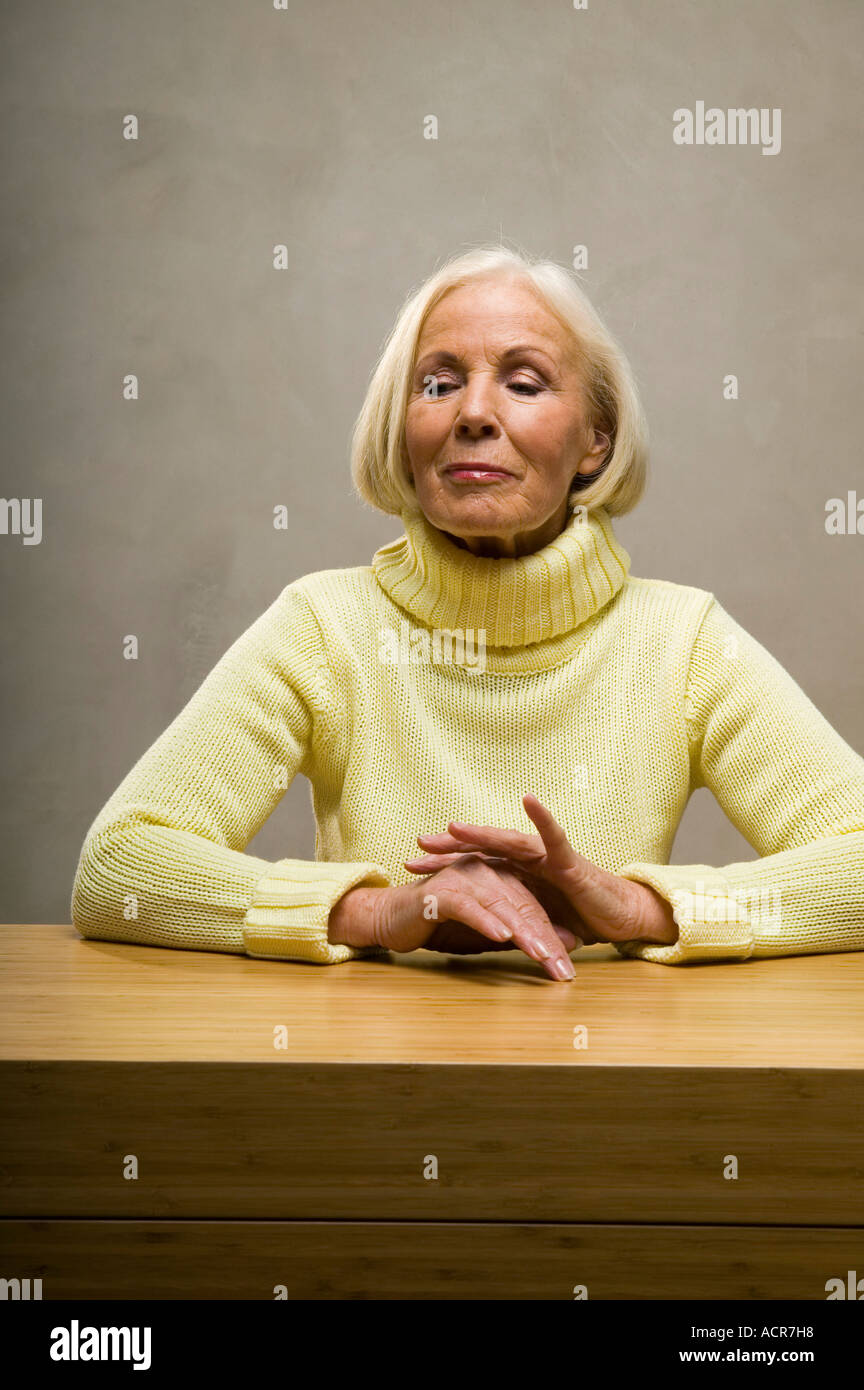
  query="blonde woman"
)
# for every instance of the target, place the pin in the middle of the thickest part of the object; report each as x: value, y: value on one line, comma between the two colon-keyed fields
x: 543, y: 779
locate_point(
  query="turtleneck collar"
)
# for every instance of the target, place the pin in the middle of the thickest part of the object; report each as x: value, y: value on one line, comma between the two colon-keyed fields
x: 517, y: 601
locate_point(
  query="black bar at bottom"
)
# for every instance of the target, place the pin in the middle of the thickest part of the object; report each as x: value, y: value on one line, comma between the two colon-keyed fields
x: 247, y: 1338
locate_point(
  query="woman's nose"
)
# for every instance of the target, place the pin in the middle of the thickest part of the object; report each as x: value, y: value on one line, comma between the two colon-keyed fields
x: 477, y: 407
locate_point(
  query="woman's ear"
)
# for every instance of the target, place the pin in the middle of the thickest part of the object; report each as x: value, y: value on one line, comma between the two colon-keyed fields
x: 602, y: 444
x: 595, y: 457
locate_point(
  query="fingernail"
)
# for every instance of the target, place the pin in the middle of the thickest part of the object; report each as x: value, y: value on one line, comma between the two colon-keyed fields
x: 564, y: 970
x: 543, y: 952
x: 506, y: 934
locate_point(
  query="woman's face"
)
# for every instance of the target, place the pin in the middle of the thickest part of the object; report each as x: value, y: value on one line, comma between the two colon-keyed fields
x: 510, y: 399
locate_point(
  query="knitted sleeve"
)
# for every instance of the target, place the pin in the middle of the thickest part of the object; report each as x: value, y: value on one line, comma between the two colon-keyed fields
x: 795, y: 790
x: 163, y: 862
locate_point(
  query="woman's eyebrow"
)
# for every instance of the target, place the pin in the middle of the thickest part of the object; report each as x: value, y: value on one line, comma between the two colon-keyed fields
x: 438, y: 355
x: 527, y: 347
x: 442, y: 355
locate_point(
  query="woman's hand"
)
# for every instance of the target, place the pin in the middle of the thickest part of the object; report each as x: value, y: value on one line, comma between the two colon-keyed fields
x: 466, y: 906
x: 604, y: 906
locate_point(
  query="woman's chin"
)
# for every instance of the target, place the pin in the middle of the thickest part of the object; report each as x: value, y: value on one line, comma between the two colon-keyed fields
x: 475, y: 514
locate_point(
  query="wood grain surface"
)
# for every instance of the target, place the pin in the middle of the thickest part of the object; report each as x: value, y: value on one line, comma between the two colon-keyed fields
x: 422, y: 1126
x: 62, y: 996
x: 368, y: 1260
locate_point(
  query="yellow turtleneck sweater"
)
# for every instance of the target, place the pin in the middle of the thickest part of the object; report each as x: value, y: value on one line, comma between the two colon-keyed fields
x: 611, y: 698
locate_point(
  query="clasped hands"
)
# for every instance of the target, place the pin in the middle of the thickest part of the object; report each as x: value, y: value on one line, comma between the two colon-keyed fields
x: 546, y: 895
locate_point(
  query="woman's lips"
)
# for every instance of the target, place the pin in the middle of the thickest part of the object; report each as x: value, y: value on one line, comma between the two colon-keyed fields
x: 476, y: 472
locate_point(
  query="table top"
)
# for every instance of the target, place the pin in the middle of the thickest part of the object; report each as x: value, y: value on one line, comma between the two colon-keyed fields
x: 64, y: 998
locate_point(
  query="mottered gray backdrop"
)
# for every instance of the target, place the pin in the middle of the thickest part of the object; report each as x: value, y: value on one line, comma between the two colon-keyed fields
x: 158, y: 155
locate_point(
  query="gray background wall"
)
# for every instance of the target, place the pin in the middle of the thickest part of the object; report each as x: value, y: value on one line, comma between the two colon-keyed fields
x: 305, y: 126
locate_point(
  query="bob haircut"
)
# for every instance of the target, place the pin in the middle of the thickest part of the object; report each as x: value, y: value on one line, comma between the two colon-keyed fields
x: 379, y: 460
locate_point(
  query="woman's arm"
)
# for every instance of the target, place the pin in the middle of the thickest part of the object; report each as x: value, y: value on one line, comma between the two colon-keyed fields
x: 162, y: 863
x: 794, y: 789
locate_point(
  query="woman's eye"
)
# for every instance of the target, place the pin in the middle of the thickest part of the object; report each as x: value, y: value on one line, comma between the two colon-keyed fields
x: 433, y: 387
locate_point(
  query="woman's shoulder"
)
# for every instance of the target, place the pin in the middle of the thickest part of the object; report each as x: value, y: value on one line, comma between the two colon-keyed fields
x: 333, y: 599
x: 353, y: 583
x: 664, y: 599
x: 659, y: 618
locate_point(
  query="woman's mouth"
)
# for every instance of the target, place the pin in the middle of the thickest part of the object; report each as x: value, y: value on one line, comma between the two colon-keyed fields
x: 475, y: 472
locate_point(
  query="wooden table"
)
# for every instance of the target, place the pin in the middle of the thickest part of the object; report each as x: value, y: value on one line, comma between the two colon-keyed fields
x: 424, y: 1126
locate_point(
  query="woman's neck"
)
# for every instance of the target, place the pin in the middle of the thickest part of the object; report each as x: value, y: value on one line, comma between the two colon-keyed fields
x: 515, y: 600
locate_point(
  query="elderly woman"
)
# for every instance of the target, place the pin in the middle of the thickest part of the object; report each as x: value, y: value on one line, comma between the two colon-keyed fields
x: 503, y: 426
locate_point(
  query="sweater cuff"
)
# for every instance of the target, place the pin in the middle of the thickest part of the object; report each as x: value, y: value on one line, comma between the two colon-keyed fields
x: 287, y: 917
x: 713, y: 921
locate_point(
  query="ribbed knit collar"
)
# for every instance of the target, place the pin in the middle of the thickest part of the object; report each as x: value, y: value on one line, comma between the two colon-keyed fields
x: 531, y: 598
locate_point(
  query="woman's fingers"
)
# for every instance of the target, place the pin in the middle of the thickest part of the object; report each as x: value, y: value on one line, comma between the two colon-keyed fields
x: 447, y: 844
x: 549, y: 854
x: 520, y: 908
x: 601, y: 905
x: 487, y: 837
x: 557, y: 906
x: 431, y: 863
x: 562, y: 864
x: 551, y: 849
x: 491, y: 909
x: 558, y: 848
x: 567, y: 938
x: 457, y: 939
